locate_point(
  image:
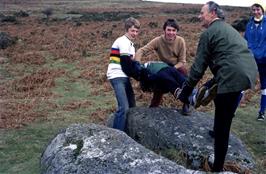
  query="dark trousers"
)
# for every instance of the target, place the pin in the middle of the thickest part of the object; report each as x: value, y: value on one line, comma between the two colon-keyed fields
x: 167, y: 80
x: 225, y: 107
x: 262, y: 74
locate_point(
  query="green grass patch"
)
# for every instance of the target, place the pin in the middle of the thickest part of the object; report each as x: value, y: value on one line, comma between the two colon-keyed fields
x: 68, y: 91
x: 21, y: 148
x: 252, y: 132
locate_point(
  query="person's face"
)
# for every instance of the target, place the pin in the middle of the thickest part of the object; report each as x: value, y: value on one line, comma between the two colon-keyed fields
x: 256, y: 12
x: 132, y: 33
x: 170, y: 33
x: 205, y: 16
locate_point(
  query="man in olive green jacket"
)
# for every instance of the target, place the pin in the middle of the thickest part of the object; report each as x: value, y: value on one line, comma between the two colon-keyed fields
x: 225, y: 52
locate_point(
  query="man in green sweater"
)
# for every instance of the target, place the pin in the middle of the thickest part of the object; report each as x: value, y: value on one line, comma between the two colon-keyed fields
x: 171, y: 49
x: 225, y: 52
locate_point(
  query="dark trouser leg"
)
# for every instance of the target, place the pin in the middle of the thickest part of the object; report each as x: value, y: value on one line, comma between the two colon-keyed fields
x: 156, y: 98
x: 225, y: 107
x: 168, y: 79
x: 262, y: 74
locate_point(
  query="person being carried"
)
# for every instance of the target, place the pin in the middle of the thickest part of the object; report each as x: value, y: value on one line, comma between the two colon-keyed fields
x: 171, y: 49
x: 156, y: 76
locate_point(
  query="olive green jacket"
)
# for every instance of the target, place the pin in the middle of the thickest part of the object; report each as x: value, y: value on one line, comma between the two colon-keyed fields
x: 225, y: 52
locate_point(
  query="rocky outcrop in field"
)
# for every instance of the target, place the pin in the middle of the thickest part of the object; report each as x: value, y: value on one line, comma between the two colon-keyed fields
x: 91, y: 148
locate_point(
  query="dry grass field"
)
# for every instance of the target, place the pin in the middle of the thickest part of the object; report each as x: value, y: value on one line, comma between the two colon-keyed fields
x: 56, y: 70
x: 67, y: 36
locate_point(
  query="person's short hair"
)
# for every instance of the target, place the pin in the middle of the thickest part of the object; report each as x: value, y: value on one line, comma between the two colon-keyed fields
x: 171, y: 23
x: 213, y: 6
x: 258, y: 6
x: 129, y: 22
x: 240, y: 24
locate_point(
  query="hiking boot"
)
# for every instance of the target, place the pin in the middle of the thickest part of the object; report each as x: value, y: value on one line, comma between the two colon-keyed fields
x: 209, y: 95
x: 186, y: 109
x: 198, y: 96
x: 261, y: 116
x: 177, y: 92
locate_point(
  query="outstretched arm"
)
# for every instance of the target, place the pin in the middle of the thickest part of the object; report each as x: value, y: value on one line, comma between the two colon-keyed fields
x: 130, y: 67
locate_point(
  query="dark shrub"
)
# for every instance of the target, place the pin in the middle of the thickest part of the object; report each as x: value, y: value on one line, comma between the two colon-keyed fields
x: 11, y: 19
x: 21, y: 14
x: 153, y: 24
x: 6, y: 40
x: 240, y: 24
x: 194, y: 19
x: 48, y: 12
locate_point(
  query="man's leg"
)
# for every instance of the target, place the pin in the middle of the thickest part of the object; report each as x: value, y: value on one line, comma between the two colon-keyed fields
x: 156, y: 98
x: 119, y: 86
x: 225, y: 107
x: 169, y: 79
x: 262, y: 74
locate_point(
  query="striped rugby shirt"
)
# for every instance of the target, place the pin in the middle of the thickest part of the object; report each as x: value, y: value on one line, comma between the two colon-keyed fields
x: 121, y: 47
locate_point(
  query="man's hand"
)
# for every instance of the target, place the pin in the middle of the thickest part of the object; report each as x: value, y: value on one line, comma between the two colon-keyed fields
x: 179, y: 65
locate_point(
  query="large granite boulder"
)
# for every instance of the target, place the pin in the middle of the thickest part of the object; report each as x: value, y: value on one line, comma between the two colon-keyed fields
x: 95, y: 149
x: 164, y: 129
x: 90, y: 148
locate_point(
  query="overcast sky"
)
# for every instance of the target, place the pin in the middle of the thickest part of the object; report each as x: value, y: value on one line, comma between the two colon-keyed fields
x: 239, y: 3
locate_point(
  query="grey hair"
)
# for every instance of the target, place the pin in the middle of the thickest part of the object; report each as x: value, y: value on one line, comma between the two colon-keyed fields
x: 213, y: 6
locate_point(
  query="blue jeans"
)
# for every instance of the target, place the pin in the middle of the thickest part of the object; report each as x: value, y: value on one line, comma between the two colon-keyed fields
x: 125, y: 99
